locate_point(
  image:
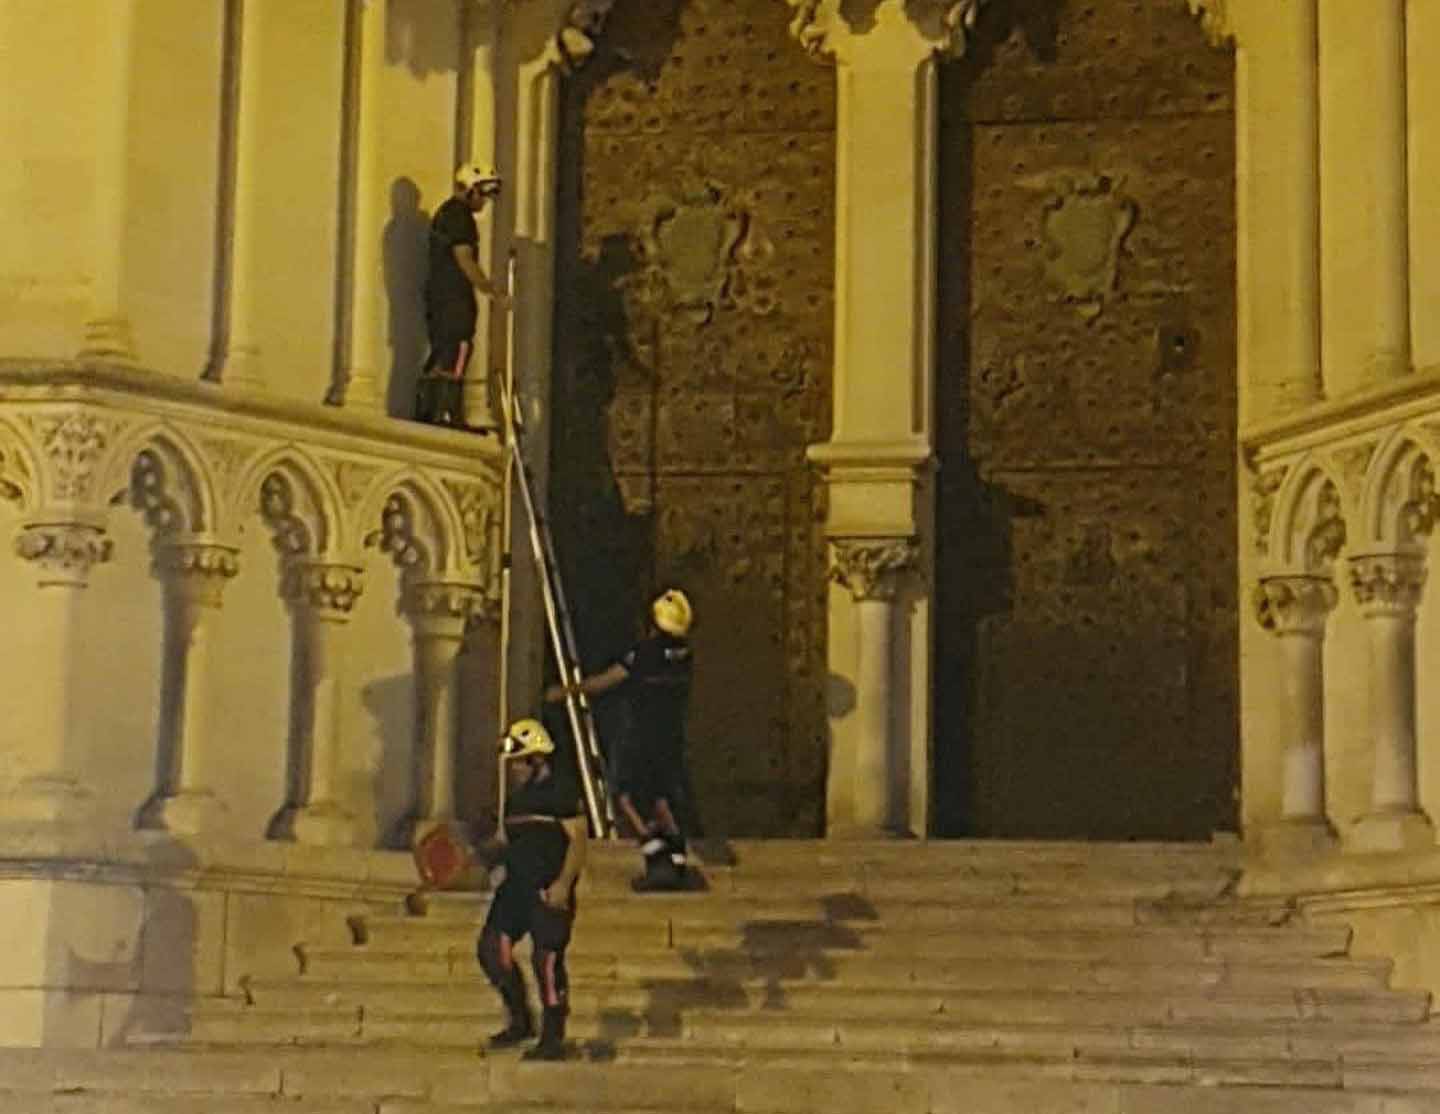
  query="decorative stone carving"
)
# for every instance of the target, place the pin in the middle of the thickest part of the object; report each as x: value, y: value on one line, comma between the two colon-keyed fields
x: 226, y: 458
x: 330, y: 588
x: 1214, y: 18
x: 1295, y: 604
x: 439, y: 599
x: 1262, y: 505
x: 480, y: 516
x: 945, y: 22
x: 65, y: 551
x: 1084, y: 229
x: 575, y: 41
x: 202, y: 569
x: 396, y: 536
x: 870, y: 568
x: 1352, y: 462
x: 354, y: 480
x: 150, y: 494
x: 74, y: 444
x: 278, y: 508
x: 1327, y: 536
x: 688, y: 245
x: 1388, y: 583
x: 1418, y: 515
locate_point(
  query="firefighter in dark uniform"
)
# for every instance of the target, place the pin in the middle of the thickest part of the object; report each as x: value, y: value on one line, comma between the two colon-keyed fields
x: 651, y: 778
x: 543, y: 845
x: 450, y: 304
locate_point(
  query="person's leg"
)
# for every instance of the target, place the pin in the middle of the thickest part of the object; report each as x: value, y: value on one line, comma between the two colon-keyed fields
x: 673, y: 834
x: 551, y: 934
x: 496, y: 951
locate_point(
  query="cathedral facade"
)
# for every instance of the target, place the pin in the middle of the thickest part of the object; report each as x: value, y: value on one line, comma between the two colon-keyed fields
x: 1037, y: 398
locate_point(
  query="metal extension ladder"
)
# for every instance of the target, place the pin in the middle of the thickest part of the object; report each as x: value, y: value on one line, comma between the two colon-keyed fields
x: 589, y: 759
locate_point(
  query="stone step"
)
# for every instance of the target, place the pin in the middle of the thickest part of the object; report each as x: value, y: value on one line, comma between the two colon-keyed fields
x: 871, y: 968
x: 827, y: 1023
x: 612, y: 932
x: 641, y: 1000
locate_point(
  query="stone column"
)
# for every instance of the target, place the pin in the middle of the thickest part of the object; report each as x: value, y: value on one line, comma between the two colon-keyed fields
x: 194, y: 576
x: 320, y: 596
x: 236, y: 360
x: 879, y: 455
x: 363, y: 345
x: 438, y: 612
x: 1387, y: 587
x: 107, y: 326
x: 1386, y: 109
x: 870, y: 568
x: 1296, y: 608
x: 51, y: 786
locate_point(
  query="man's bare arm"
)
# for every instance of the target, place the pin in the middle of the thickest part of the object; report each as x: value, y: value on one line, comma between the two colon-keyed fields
x: 601, y: 682
x: 466, y: 260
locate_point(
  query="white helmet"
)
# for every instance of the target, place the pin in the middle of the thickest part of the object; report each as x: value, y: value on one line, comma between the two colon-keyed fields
x: 469, y: 175
x: 672, y: 612
x: 526, y: 737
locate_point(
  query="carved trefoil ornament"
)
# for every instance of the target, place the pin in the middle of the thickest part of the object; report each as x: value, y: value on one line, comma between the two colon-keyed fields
x: 1262, y: 505
x: 946, y: 23
x: 1084, y: 230
x: 74, y: 445
x: 870, y: 568
x: 688, y: 246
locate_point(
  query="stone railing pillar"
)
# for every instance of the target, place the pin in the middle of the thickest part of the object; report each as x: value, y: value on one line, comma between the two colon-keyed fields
x: 438, y: 612
x: 194, y: 575
x: 320, y: 596
x: 1387, y: 587
x: 870, y: 569
x: 1387, y: 114
x: 49, y: 784
x: 1295, y: 608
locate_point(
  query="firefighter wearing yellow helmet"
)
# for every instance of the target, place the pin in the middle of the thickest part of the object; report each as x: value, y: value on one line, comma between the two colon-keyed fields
x: 451, y: 310
x: 651, y: 778
x: 543, y: 852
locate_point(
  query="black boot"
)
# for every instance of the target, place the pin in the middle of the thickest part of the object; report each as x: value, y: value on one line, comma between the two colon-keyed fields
x: 522, y: 1021
x: 551, y: 1045
x: 659, y: 872
x: 679, y: 861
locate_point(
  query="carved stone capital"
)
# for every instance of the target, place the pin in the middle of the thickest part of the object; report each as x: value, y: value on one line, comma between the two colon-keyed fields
x: 1297, y: 604
x: 870, y: 568
x: 198, y: 569
x: 1214, y: 18
x: 327, y: 588
x: 442, y: 600
x: 1388, y: 583
x: 575, y: 40
x: 64, y: 551
x: 943, y: 24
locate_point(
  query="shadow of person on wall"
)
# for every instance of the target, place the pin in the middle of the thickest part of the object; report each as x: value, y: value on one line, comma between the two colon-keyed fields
x: 391, y: 703
x: 405, y: 247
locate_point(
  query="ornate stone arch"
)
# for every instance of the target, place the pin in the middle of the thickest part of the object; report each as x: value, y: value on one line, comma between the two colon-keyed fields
x: 1310, y: 527
x: 164, y: 477
x: 1399, y: 505
x: 411, y: 519
x: 297, y: 502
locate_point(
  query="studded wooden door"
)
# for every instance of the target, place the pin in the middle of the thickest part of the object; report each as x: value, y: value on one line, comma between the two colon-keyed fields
x: 1086, y: 657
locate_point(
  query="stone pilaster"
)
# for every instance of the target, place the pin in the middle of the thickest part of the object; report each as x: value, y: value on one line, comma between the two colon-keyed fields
x: 359, y: 386
x: 194, y: 575
x: 1390, y: 245
x: 1296, y: 608
x: 1387, y: 586
x: 867, y: 802
x: 321, y: 596
x: 439, y: 612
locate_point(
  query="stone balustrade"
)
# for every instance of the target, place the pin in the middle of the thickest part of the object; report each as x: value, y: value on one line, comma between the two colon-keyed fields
x: 337, y: 490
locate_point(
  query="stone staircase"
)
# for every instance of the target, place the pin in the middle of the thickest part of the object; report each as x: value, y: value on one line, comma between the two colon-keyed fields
x: 964, y: 978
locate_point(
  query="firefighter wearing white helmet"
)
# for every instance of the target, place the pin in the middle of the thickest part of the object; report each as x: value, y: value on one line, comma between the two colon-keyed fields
x: 543, y: 852
x: 651, y: 778
x: 451, y: 311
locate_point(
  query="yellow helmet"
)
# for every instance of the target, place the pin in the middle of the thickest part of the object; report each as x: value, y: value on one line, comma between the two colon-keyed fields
x: 672, y: 612
x: 526, y: 737
x: 468, y: 176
